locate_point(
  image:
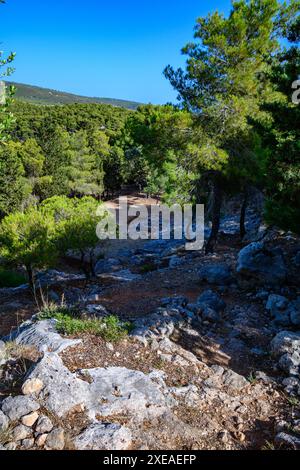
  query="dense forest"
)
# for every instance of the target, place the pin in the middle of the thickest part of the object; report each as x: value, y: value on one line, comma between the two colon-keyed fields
x: 235, y: 127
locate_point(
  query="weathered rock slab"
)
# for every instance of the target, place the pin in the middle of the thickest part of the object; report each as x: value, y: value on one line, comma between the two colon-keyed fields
x: 104, y: 437
x: 62, y: 390
x: 17, y: 407
x: 43, y: 336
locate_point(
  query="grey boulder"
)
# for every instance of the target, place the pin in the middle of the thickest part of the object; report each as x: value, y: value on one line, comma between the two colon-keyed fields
x: 62, y: 390
x: 285, y: 342
x: 286, y: 347
x: 259, y: 265
x: 119, y: 390
x: 210, y: 299
x: 285, y: 313
x: 218, y: 274
x: 17, y: 407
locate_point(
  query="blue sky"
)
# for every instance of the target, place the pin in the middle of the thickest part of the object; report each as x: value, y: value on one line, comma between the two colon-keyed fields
x: 108, y: 48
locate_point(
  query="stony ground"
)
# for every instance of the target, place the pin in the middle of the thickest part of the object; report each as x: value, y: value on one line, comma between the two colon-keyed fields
x: 212, y: 361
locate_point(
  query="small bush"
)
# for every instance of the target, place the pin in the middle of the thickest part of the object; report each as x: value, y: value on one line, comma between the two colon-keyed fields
x: 148, y: 268
x: 51, y: 310
x: 109, y: 328
x: 11, y: 279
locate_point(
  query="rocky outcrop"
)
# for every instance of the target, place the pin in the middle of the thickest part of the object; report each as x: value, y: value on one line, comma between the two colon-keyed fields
x: 17, y: 407
x: 285, y: 312
x: 286, y: 348
x: 62, y: 390
x: 259, y: 265
x: 218, y: 274
x: 104, y: 437
x: 129, y: 392
x: 42, y: 335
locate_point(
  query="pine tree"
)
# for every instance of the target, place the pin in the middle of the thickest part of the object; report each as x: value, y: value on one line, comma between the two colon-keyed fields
x: 12, y: 179
x: 226, y: 83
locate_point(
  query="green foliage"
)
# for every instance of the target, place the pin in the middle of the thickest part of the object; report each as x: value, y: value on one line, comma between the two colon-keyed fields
x: 85, y: 173
x: 165, y: 148
x: 11, y: 278
x: 51, y: 309
x: 71, y: 150
x: 226, y: 83
x: 6, y: 117
x: 282, y: 140
x: 113, y: 166
x: 28, y: 239
x: 12, y: 181
x: 225, y: 79
x: 32, y: 158
x: 109, y: 328
x: 148, y: 268
x: 55, y: 144
x: 75, y: 224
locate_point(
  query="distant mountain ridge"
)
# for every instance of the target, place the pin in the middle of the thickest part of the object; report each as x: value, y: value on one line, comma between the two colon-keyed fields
x: 46, y: 96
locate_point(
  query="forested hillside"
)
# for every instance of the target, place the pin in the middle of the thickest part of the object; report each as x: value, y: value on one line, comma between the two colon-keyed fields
x: 38, y: 95
x: 227, y: 136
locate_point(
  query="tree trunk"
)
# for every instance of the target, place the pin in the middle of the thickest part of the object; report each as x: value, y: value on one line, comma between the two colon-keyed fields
x: 216, y: 214
x: 243, y: 215
x: 92, y: 264
x: 83, y: 265
x: 31, y: 281
x: 30, y: 278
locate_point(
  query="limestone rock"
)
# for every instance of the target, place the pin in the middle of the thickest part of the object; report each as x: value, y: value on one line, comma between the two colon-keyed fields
x: 28, y: 443
x: 285, y: 342
x: 210, y: 299
x: 218, y: 274
x: 11, y: 446
x: 233, y: 380
x: 127, y: 391
x: 2, y: 352
x: 285, y: 313
x: 17, y: 407
x: 62, y: 390
x: 210, y: 315
x: 32, y: 386
x: 177, y: 301
x: 41, y: 440
x: 161, y: 324
x: 3, y: 421
x: 21, y: 432
x: 30, y: 419
x: 290, y: 363
x: 44, y: 425
x: 292, y: 385
x: 278, y: 307
x: 43, y: 336
x: 56, y: 439
x: 104, y: 437
x: 259, y: 265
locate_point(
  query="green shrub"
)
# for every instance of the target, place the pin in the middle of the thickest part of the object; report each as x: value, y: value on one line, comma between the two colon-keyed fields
x: 109, y: 328
x: 148, y: 268
x: 51, y: 310
x: 11, y: 279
